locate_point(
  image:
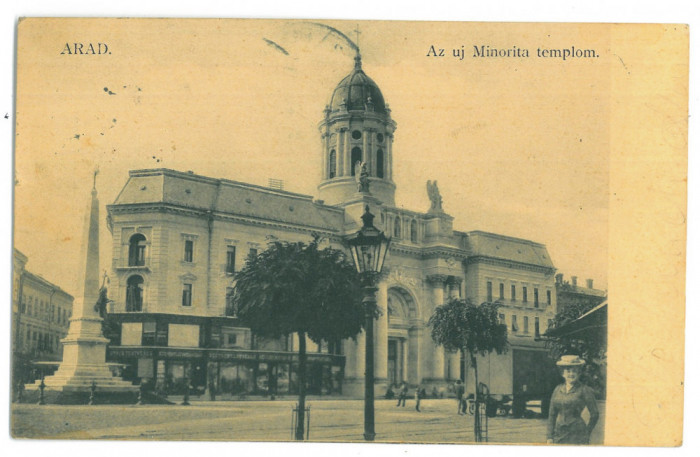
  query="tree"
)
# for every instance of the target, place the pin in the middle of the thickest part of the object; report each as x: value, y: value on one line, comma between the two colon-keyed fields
x: 299, y: 288
x: 460, y: 325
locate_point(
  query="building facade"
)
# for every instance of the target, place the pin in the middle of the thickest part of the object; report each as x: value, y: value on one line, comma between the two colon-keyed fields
x: 40, y: 316
x: 570, y: 293
x: 178, y: 238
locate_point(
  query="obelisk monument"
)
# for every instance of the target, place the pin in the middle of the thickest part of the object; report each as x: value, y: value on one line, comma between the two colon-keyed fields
x: 84, y: 348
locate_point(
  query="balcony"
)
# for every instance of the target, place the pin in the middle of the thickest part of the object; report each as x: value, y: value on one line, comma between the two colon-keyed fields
x: 136, y: 267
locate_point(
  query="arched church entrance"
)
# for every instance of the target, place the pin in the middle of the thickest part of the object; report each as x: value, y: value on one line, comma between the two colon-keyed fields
x: 402, y: 357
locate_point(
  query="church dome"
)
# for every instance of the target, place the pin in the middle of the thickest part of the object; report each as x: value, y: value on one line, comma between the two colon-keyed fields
x: 358, y: 92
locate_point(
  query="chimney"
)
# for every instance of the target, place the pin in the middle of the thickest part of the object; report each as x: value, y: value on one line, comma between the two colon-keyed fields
x: 574, y: 279
x: 560, y: 278
x: 589, y: 283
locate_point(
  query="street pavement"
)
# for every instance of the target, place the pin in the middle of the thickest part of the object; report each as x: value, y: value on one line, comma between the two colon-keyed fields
x: 266, y: 420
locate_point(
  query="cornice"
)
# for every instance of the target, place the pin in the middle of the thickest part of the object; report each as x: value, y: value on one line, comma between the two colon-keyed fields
x: 509, y: 264
x: 202, y: 213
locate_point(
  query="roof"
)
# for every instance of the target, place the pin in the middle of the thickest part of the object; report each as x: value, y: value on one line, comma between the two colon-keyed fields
x: 188, y: 190
x: 355, y: 90
x: 595, y: 319
x: 492, y: 245
x: 570, y: 288
x: 41, y: 281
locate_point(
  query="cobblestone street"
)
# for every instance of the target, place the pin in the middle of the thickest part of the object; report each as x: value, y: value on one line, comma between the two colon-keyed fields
x: 331, y: 420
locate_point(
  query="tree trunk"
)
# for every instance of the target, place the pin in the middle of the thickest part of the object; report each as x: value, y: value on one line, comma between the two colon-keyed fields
x: 477, y: 409
x: 299, y: 435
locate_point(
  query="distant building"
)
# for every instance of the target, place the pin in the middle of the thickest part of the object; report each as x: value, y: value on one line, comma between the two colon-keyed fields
x: 40, y: 314
x: 178, y: 239
x: 571, y: 293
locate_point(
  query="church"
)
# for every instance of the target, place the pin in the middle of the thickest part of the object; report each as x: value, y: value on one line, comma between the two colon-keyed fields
x: 178, y: 238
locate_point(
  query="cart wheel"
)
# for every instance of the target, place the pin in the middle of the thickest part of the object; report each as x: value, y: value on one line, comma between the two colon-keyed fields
x: 472, y: 408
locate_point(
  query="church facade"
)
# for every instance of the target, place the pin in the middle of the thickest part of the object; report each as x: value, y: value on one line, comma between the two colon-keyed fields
x: 178, y: 238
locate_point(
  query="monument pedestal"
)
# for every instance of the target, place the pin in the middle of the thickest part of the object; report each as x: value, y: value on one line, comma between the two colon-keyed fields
x: 84, y: 372
x: 84, y: 355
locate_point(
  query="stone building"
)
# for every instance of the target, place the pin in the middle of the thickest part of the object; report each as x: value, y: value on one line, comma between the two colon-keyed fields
x: 40, y: 315
x: 570, y: 293
x: 178, y: 238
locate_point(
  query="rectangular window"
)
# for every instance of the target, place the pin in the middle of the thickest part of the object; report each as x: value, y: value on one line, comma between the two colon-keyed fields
x: 526, y: 324
x: 501, y: 291
x: 189, y: 250
x: 187, y: 295
x: 502, y: 319
x: 514, y: 323
x: 253, y: 252
x: 524, y: 294
x: 489, y: 292
x: 537, y: 297
x: 162, y: 334
x: 149, y: 334
x: 231, y: 337
x: 512, y: 292
x: 549, y: 297
x: 537, y: 327
x: 230, y: 259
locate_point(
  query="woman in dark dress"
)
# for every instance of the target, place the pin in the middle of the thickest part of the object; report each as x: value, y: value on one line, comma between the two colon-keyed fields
x: 565, y: 425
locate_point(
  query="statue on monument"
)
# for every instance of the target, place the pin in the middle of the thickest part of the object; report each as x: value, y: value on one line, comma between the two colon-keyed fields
x: 434, y: 196
x: 103, y: 300
x: 362, y: 176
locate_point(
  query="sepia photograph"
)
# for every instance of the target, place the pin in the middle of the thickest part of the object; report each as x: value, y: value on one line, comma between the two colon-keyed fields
x: 339, y: 231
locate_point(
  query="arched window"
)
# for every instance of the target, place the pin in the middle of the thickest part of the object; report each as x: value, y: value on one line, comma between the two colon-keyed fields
x: 355, y: 156
x: 380, y: 163
x: 137, y: 250
x: 134, y: 294
x: 331, y: 164
x: 414, y: 231
x: 397, y: 227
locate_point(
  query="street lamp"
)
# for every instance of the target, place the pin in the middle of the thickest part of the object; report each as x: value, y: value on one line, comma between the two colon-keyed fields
x: 369, y: 247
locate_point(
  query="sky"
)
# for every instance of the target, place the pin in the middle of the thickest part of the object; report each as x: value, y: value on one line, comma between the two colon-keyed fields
x: 518, y: 146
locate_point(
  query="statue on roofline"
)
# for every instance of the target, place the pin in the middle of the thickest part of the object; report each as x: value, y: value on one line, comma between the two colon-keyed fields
x: 434, y: 196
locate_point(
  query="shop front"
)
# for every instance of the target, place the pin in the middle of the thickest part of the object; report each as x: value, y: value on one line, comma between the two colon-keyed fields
x: 228, y: 373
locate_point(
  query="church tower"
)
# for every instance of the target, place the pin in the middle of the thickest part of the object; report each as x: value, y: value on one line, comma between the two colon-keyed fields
x: 357, y: 128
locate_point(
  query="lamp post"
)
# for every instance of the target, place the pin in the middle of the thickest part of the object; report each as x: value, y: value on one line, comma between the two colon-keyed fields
x: 369, y: 247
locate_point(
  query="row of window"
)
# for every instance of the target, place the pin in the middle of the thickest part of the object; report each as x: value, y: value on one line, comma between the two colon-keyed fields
x: 137, y: 253
x: 355, y: 156
x: 38, y: 340
x: 35, y: 307
x: 134, y: 294
x: 397, y: 233
x: 513, y: 297
x: 515, y: 327
x: 357, y: 135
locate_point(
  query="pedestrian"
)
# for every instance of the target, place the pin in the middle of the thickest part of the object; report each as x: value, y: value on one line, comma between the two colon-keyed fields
x: 461, y: 401
x: 565, y: 424
x: 419, y: 394
x: 403, y: 393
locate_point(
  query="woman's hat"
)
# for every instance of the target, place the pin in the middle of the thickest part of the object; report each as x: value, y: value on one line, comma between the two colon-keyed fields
x: 571, y: 361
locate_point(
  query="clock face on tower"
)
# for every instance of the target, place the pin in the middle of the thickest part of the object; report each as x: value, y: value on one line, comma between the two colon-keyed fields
x: 356, y: 134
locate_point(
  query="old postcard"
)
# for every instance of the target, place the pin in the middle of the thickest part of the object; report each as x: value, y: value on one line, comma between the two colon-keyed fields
x: 349, y: 231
